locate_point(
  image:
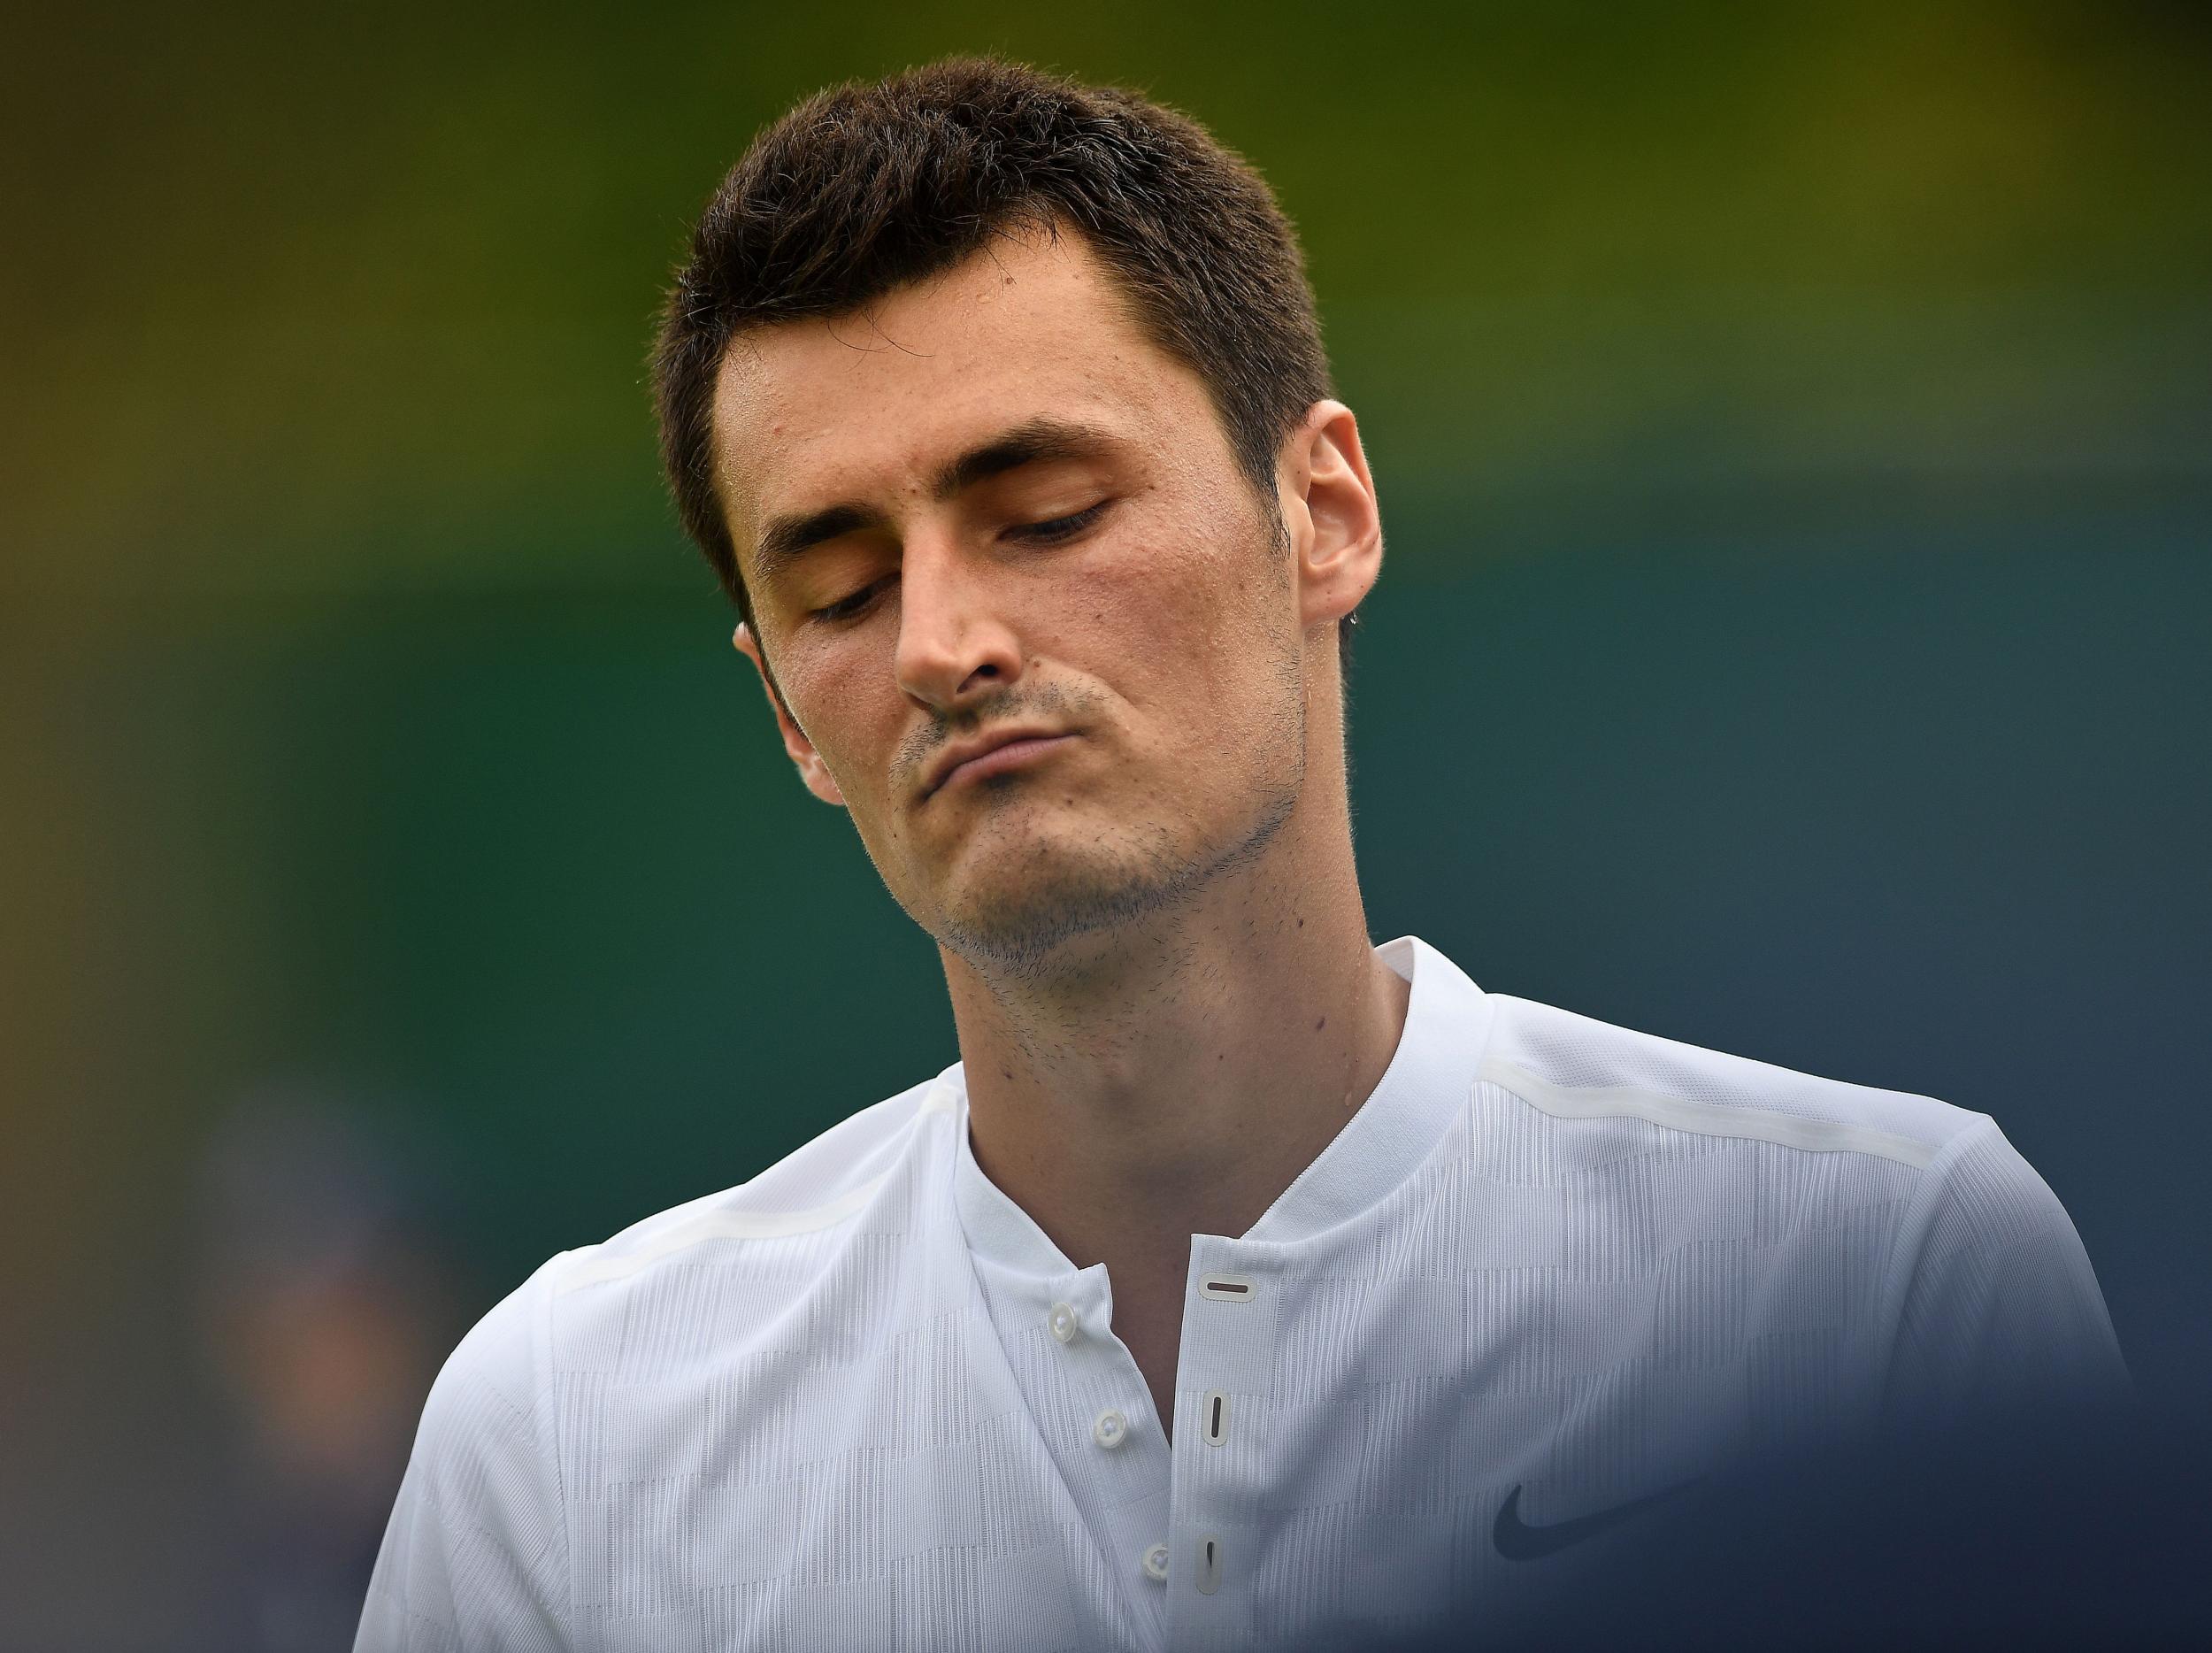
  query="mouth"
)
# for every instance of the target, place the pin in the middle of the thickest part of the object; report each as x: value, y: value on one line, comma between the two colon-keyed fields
x: 998, y: 754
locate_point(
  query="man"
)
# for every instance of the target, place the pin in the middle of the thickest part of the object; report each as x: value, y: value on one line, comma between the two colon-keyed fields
x: 1244, y: 1284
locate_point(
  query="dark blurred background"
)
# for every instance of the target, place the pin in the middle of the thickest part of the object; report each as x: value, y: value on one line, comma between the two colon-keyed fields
x: 1792, y: 424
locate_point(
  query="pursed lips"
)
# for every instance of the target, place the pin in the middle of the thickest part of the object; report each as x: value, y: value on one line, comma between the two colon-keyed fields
x: 991, y: 755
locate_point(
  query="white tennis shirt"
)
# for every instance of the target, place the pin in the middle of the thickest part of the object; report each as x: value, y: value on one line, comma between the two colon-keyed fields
x: 862, y: 1401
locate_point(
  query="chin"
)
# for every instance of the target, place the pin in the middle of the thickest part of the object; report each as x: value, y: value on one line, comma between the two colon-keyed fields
x: 1059, y: 932
x: 1028, y: 898
x: 1048, y: 907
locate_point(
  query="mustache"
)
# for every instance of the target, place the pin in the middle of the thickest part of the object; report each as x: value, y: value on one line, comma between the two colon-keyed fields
x: 1057, y: 703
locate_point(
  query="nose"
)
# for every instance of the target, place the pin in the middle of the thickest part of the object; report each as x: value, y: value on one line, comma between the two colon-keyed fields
x: 955, y: 647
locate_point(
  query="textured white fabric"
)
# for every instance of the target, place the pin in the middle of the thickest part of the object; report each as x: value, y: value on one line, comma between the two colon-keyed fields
x: 829, y: 1410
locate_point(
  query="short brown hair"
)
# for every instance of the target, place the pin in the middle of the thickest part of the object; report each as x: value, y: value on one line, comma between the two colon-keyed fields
x: 869, y: 186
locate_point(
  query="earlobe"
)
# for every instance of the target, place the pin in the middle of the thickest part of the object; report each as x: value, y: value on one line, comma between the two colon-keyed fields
x: 816, y: 774
x: 813, y: 773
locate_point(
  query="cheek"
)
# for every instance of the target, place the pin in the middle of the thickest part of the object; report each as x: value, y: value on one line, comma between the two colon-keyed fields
x: 1191, y: 616
x: 844, y: 700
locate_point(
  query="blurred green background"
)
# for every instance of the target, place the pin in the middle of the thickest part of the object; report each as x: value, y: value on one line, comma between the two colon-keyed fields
x: 1792, y: 424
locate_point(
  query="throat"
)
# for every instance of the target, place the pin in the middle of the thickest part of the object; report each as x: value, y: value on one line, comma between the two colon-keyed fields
x: 1182, y: 1104
x: 1123, y: 1136
x: 1149, y: 1320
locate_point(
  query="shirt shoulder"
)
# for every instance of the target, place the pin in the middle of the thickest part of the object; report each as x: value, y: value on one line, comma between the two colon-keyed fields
x: 1575, y: 1067
x: 829, y: 1183
x: 819, y: 1187
x: 476, y: 1554
x: 1973, y: 1271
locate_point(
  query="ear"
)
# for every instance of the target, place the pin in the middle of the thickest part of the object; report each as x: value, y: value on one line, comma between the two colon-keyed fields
x: 813, y: 770
x: 1329, y: 507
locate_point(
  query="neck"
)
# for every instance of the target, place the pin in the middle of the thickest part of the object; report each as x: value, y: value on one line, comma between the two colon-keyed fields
x: 1180, y: 1079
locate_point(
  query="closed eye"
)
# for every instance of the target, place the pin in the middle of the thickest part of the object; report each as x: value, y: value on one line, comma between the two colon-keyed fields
x: 1055, y: 531
x: 851, y: 607
x: 1059, y: 528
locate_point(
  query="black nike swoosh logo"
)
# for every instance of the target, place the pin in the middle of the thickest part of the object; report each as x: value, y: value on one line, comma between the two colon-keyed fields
x: 1517, y: 1541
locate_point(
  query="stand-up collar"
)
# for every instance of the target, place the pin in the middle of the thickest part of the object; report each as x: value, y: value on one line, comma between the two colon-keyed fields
x: 1422, y: 1091
x: 1426, y: 1086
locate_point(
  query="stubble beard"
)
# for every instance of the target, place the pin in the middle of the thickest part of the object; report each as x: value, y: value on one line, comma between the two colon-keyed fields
x: 1027, y: 929
x: 1079, y: 913
x: 1052, y: 914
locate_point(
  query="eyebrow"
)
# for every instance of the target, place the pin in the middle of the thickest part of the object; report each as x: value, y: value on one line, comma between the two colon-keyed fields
x: 784, y: 539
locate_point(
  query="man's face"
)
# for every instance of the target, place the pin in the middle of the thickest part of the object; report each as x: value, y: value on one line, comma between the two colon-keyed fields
x: 990, y: 507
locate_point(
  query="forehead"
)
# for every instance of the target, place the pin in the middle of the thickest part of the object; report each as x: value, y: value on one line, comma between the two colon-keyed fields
x: 871, y: 405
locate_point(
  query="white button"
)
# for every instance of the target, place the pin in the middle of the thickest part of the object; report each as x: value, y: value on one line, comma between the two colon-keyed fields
x: 1062, y: 1322
x: 1110, y: 1430
x: 1155, y: 1562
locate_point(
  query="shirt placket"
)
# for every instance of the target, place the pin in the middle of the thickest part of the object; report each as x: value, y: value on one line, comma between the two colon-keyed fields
x: 1112, y: 1446
x: 1232, y: 1301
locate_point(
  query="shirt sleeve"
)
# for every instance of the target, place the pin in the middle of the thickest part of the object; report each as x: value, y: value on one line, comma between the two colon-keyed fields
x: 475, y: 1555
x: 1999, y: 1308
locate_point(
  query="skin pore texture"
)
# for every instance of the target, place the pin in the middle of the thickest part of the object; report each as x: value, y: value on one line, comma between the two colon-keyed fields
x: 990, y: 506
